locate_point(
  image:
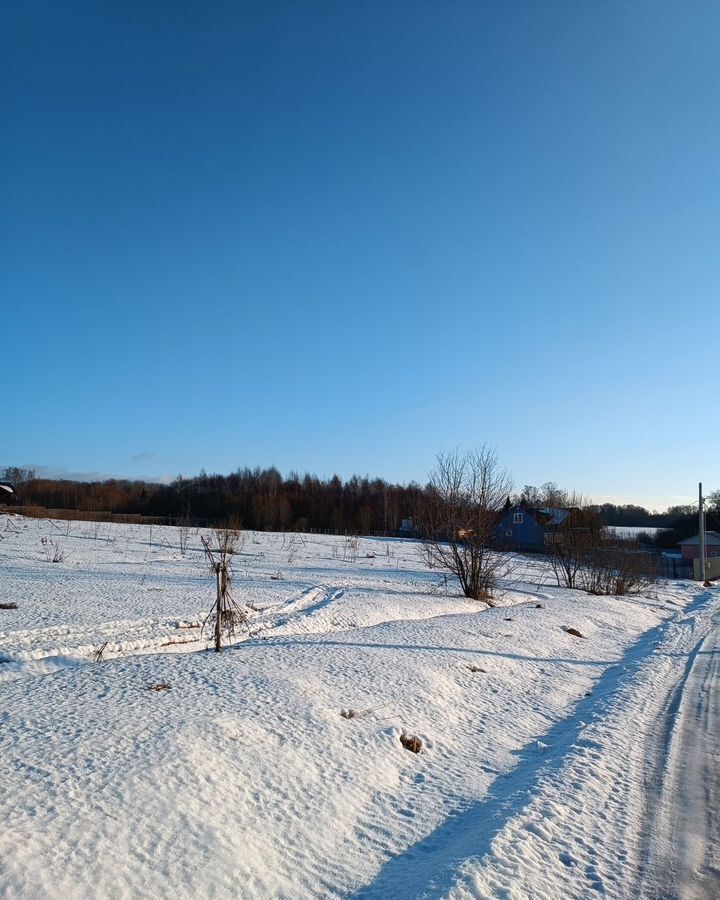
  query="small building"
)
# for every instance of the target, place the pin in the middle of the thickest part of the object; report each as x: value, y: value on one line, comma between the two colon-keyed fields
x: 690, y: 547
x: 525, y: 528
x: 7, y: 493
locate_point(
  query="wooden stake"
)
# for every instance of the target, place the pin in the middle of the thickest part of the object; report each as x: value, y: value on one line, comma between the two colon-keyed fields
x: 218, y: 611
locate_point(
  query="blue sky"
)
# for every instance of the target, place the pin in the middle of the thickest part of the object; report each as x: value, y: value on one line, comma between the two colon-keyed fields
x: 341, y: 237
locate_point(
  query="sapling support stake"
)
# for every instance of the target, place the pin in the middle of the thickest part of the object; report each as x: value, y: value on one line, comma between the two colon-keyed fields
x: 226, y: 611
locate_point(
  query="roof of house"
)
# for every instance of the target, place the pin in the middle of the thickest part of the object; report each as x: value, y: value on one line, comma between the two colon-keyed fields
x: 553, y: 516
x: 711, y: 537
x: 6, y: 486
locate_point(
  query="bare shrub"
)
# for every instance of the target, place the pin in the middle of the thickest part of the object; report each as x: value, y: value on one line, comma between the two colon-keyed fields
x: 183, y: 527
x: 159, y: 686
x: 351, y: 549
x: 582, y: 555
x: 53, y: 551
x: 571, y: 545
x: 620, y: 567
x: 226, y: 615
x: 457, y: 516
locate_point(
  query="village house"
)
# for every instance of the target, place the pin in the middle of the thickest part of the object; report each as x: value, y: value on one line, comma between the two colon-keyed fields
x: 690, y: 547
x: 524, y: 528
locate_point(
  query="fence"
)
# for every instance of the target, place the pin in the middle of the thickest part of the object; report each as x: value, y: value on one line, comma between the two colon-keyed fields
x: 674, y: 567
x: 93, y: 515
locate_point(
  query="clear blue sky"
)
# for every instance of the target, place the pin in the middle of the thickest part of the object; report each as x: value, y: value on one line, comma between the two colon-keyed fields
x: 340, y: 237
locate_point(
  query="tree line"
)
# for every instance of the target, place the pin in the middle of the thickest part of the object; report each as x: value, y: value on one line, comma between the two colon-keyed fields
x: 260, y: 499
x: 265, y: 500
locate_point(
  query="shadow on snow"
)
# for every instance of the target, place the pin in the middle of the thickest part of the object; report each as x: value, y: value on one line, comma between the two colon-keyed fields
x: 429, y: 867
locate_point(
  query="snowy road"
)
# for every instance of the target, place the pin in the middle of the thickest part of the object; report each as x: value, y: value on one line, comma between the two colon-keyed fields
x: 684, y: 858
x: 627, y: 803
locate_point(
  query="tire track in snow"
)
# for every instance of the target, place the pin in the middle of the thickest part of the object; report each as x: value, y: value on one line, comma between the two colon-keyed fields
x: 682, y: 857
x: 583, y: 827
x: 430, y: 867
x: 45, y: 650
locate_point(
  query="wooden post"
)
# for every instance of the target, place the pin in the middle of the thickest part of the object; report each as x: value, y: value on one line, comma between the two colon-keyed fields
x: 218, y: 611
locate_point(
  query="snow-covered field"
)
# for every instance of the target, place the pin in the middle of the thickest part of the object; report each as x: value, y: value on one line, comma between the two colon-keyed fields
x: 275, y: 769
x: 632, y: 531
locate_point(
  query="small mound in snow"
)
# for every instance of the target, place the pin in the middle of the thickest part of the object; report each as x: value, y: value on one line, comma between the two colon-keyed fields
x: 411, y: 742
x: 573, y: 631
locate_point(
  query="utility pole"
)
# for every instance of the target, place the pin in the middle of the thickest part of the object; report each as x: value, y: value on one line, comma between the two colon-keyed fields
x: 701, y: 513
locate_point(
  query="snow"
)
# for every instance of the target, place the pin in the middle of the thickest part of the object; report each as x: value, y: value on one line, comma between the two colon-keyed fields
x: 632, y: 531
x: 632, y: 807
x: 246, y: 777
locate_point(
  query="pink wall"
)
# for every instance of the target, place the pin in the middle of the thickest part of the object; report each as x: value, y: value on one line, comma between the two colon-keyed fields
x: 693, y: 552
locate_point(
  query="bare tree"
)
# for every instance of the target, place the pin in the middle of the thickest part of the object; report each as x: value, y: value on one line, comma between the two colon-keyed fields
x: 530, y: 496
x: 584, y: 555
x: 17, y: 476
x: 618, y: 566
x: 226, y: 614
x: 572, y: 544
x: 458, y: 515
x: 548, y: 496
x: 554, y: 497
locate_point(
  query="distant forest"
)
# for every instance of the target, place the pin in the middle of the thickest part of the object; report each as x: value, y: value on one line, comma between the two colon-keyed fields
x: 260, y: 499
x: 264, y: 500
